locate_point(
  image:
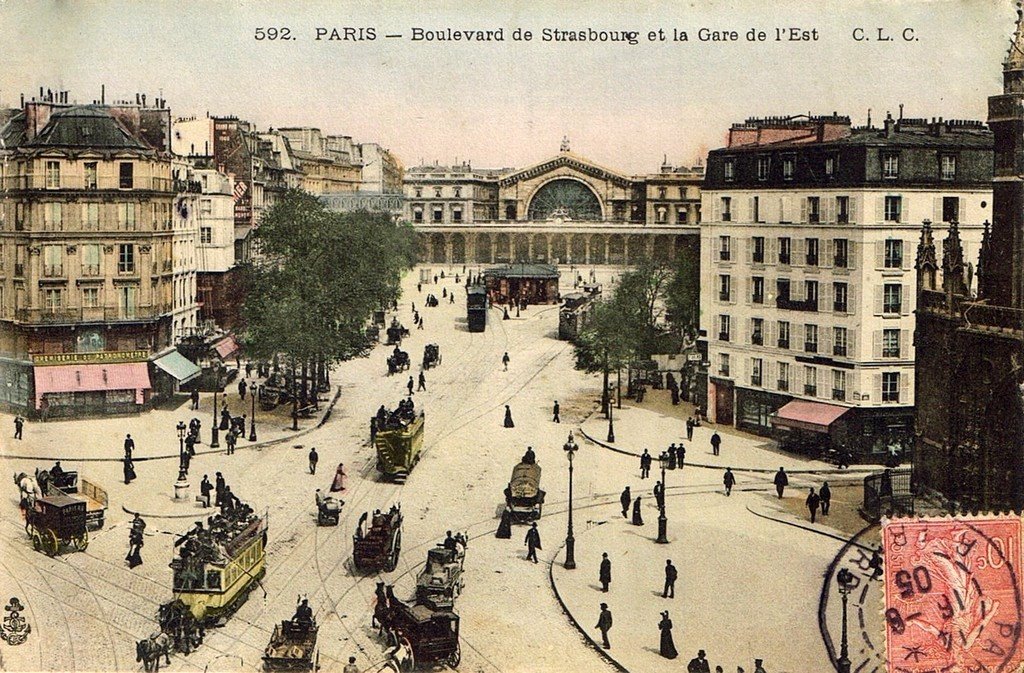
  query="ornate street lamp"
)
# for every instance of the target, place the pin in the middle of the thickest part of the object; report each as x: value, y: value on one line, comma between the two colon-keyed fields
x: 570, y: 449
x: 845, y: 580
x: 662, y: 519
x: 214, y: 430
x: 611, y: 423
x: 252, y: 426
x: 182, y: 474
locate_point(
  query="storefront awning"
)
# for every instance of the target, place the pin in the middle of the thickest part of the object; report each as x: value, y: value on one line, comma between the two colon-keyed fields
x: 810, y: 416
x: 92, y: 378
x: 226, y: 347
x: 178, y: 366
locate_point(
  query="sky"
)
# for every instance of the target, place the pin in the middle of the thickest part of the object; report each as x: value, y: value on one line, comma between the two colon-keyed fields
x: 509, y: 103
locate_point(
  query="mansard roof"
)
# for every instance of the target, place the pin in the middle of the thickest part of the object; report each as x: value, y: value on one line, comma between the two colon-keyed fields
x: 85, y: 126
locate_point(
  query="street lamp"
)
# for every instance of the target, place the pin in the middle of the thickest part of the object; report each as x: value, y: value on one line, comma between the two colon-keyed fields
x: 182, y: 474
x: 611, y: 423
x: 845, y: 580
x: 214, y: 431
x: 252, y: 427
x: 662, y: 519
x: 570, y: 449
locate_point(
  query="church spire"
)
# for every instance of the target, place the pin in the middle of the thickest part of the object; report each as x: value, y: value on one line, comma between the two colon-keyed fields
x: 953, y: 262
x: 984, y: 256
x: 926, y: 263
x: 1013, y: 64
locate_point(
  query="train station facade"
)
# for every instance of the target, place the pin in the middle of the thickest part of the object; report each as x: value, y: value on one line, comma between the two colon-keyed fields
x: 566, y: 209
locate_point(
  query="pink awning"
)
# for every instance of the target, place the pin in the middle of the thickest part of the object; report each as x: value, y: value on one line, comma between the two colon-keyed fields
x: 91, y: 378
x: 804, y: 415
x: 226, y: 347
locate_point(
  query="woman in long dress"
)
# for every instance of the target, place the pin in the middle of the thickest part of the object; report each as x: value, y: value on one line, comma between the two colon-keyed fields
x: 668, y: 647
x: 508, y: 418
x: 338, y: 485
x: 638, y: 520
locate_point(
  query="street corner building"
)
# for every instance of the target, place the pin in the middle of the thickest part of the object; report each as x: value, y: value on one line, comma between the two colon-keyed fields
x: 807, y: 264
x: 970, y: 335
x: 95, y: 287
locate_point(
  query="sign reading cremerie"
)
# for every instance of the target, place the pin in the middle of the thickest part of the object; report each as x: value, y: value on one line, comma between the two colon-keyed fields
x: 104, y: 357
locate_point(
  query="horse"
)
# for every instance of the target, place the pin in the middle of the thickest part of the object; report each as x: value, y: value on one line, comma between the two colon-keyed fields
x: 29, y: 489
x: 148, y: 651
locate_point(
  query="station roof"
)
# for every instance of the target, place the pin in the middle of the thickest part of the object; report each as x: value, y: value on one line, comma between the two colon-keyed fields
x: 522, y: 270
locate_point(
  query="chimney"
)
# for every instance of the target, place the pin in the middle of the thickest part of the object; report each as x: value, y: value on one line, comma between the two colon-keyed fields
x: 103, y: 94
x: 890, y: 125
x: 901, y: 111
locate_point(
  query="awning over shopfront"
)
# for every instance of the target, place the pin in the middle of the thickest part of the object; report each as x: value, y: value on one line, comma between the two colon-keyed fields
x: 226, y: 347
x: 810, y: 416
x: 178, y: 366
x: 92, y: 378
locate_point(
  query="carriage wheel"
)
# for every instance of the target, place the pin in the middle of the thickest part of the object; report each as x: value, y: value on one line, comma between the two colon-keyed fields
x: 51, y: 545
x: 396, y: 548
x: 410, y: 663
x: 81, y: 541
x: 37, y: 538
x: 455, y: 657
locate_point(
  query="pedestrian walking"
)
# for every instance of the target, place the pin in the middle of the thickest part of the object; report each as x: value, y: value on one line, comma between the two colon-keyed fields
x: 508, y: 418
x: 758, y: 667
x: 729, y: 480
x: 190, y: 445
x: 659, y: 495
x: 670, y: 580
x: 716, y: 443
x: 825, y: 493
x: 606, y: 572
x: 532, y: 542
x: 129, y: 470
x: 135, y: 542
x: 504, y: 316
x: 185, y: 462
x: 689, y: 429
x: 420, y: 324
x: 505, y: 359
x: 668, y: 647
x: 419, y: 287
x: 241, y: 389
x: 680, y: 455
x: 219, y: 486
x: 624, y: 500
x: 451, y: 298
x: 248, y: 368
x: 504, y: 531
x: 205, y: 489
x: 314, y: 458
x: 781, y: 481
x: 604, y: 625
x: 19, y: 425
x: 129, y: 446
x: 638, y: 519
x: 444, y: 293
x: 231, y: 440
x: 555, y: 411
x: 698, y: 664
x: 813, y: 500
x: 422, y: 382
x: 194, y: 395
x: 350, y: 667
x: 338, y: 485
x: 645, y: 464
x: 410, y: 385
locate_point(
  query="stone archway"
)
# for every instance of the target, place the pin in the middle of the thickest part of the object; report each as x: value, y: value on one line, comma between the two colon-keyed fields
x: 616, y: 249
x: 662, y: 248
x: 636, y: 249
x: 502, y: 248
x: 521, y: 252
x: 567, y: 198
x: 483, y: 249
x: 423, y: 247
x: 437, y: 252
x: 540, y: 248
x: 597, y: 243
x: 458, y: 248
x: 578, y: 249
x: 559, y: 249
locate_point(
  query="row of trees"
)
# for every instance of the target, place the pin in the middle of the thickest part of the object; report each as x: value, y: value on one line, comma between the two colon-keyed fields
x: 654, y: 309
x: 318, y: 278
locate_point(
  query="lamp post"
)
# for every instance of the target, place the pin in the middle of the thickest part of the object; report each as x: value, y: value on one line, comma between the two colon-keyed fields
x: 845, y: 580
x: 214, y: 430
x: 252, y: 426
x: 662, y: 519
x: 611, y: 423
x: 570, y: 449
x: 181, y: 450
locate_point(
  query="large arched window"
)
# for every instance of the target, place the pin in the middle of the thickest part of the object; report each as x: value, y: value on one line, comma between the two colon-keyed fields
x: 567, y: 199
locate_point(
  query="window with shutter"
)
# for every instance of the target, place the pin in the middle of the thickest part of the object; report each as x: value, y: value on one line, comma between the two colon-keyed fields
x: 803, y: 210
x: 879, y: 254
x: 852, y: 250
x: 856, y: 216
x: 937, y: 209
x: 905, y: 301
x: 880, y: 209
x: 879, y: 299
x: 904, y: 343
x: 830, y: 253
x: 876, y: 344
x: 904, y: 394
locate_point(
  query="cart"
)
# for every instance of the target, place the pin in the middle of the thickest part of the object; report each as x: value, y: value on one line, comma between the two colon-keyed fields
x: 292, y: 647
x: 378, y: 548
x: 56, y: 524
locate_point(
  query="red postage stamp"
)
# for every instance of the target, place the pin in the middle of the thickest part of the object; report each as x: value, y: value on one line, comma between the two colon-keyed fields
x: 953, y: 594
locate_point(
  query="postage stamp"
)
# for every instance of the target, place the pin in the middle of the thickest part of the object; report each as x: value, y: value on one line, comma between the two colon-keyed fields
x: 953, y: 594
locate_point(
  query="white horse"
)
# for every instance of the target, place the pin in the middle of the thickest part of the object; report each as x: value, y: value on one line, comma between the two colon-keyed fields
x: 29, y: 488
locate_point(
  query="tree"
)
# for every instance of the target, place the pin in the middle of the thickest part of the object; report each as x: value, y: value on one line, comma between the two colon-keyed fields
x: 682, y: 295
x: 318, y: 277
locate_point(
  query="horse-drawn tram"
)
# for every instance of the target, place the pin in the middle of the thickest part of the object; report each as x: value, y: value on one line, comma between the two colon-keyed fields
x: 217, y: 566
x: 399, y: 440
x: 476, y: 308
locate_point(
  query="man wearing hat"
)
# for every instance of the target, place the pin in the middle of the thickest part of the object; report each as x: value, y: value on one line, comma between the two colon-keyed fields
x: 698, y: 664
x: 604, y: 623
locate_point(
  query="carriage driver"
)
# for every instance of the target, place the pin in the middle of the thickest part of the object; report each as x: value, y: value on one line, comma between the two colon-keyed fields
x: 303, y: 614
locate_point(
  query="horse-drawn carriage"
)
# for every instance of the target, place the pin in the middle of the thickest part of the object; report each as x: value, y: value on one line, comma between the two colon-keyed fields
x: 431, y: 356
x: 57, y: 524
x: 328, y: 509
x: 396, y: 332
x: 523, y: 496
x: 378, y: 547
x: 422, y: 634
x: 69, y: 483
x: 292, y: 647
x: 399, y: 440
x: 398, y: 361
x: 440, y: 582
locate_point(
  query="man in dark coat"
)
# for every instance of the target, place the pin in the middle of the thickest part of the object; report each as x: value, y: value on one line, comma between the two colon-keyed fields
x: 195, y: 398
x: 129, y: 446
x: 241, y: 389
x: 659, y: 495
x: 422, y: 382
x: 232, y: 440
x: 624, y: 500
x: 680, y: 455
x: 532, y: 543
x: 670, y: 580
x: 716, y: 443
x: 606, y: 572
x: 729, y: 480
x: 205, y: 489
x: 314, y: 458
x: 410, y: 385
x: 645, y: 464
x: 781, y: 481
x: 604, y: 624
x: 698, y: 664
x: 129, y: 470
x: 638, y: 519
x: 19, y: 425
x: 826, y: 498
x: 219, y: 486
x: 813, y: 500
x: 689, y: 429
x: 556, y: 409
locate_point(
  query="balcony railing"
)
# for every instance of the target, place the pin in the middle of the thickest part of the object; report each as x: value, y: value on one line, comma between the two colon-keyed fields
x: 812, y: 260
x: 795, y: 305
x: 724, y: 255
x: 723, y: 336
x: 839, y: 306
x: 838, y: 395
x: 79, y: 182
x: 810, y: 346
x: 757, y: 299
x: 755, y: 379
x: 783, y: 343
x: 782, y: 385
x: 810, y: 389
x: 723, y: 371
x: 840, y: 261
x: 723, y: 296
x: 757, y: 339
x: 63, y: 316
x: 839, y: 349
